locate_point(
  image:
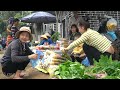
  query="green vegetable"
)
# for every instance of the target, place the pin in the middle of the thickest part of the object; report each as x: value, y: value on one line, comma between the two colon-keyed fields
x: 66, y: 56
x: 74, y: 70
x: 71, y: 70
x: 55, y: 36
x: 105, y: 64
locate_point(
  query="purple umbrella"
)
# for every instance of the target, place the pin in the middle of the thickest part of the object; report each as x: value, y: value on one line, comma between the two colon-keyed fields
x: 39, y: 17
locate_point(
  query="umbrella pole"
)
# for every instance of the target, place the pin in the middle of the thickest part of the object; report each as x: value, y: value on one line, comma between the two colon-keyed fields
x: 43, y: 27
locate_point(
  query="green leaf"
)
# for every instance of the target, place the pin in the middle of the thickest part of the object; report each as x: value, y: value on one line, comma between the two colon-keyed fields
x: 57, y: 72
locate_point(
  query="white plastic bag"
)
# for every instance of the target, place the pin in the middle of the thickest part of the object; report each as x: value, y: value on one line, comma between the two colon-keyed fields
x: 111, y: 24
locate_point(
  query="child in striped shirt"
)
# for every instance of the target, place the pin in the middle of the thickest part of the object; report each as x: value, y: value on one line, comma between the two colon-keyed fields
x: 95, y: 44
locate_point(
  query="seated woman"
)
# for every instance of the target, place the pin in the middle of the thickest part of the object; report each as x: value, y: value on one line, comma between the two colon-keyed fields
x: 74, y: 31
x: 49, y: 38
x: 95, y: 44
x: 43, y: 40
x: 18, y: 55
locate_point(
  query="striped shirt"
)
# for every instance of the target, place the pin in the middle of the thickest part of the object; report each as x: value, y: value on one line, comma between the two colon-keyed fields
x: 14, y: 29
x: 92, y: 38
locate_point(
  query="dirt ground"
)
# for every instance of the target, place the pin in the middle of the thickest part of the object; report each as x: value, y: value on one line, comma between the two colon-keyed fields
x: 33, y: 73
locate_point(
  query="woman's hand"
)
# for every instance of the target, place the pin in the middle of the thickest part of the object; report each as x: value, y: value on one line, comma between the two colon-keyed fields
x: 33, y: 56
x: 64, y: 50
x: 82, y: 55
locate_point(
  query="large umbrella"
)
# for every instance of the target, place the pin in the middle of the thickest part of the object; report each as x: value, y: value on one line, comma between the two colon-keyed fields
x: 39, y: 17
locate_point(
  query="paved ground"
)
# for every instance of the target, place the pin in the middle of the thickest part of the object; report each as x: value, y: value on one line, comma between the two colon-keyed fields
x: 33, y: 73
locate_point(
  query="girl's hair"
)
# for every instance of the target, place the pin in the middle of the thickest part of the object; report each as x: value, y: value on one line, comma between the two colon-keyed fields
x: 10, y: 20
x: 74, y: 25
x: 102, y: 28
x: 16, y: 20
x: 84, y: 21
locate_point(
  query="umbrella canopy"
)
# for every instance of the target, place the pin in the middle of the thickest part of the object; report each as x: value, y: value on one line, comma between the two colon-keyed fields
x: 39, y: 17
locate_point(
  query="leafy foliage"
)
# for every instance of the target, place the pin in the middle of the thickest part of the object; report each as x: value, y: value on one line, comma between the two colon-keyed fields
x: 55, y: 36
x: 71, y: 70
x: 75, y: 70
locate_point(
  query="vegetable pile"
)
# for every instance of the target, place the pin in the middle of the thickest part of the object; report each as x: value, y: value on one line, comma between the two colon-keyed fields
x: 71, y: 70
x: 106, y: 68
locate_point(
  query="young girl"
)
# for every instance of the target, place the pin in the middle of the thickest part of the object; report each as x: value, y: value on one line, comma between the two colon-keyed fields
x: 12, y: 29
x: 95, y: 44
x: 18, y: 54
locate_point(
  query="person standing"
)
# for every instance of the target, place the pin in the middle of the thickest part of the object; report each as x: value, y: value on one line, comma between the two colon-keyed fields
x: 14, y: 27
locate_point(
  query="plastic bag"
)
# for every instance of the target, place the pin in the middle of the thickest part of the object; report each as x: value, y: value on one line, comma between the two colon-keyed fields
x: 38, y: 60
x: 112, y: 35
x: 111, y: 24
x: 86, y: 62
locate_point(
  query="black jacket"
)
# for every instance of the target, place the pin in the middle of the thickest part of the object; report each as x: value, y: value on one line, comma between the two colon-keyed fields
x: 16, y: 52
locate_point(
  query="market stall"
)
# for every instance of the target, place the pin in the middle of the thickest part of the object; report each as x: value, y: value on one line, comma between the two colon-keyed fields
x: 49, y: 57
x: 59, y: 65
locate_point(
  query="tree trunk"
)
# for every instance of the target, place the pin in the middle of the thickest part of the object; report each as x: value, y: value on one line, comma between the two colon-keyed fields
x: 56, y: 13
x: 35, y: 30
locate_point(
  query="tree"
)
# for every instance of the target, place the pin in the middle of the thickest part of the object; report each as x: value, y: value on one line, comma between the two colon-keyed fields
x: 18, y: 14
x: 58, y: 15
x: 5, y: 15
